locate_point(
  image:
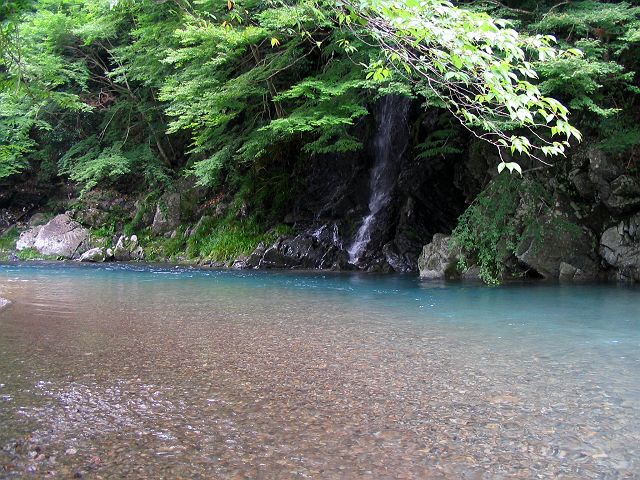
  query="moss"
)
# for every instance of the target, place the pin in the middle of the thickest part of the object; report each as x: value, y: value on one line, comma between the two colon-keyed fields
x: 8, y: 239
x: 146, y: 206
x: 33, y: 254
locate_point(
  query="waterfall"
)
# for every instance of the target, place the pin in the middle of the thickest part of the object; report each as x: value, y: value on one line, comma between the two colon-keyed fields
x: 390, y: 122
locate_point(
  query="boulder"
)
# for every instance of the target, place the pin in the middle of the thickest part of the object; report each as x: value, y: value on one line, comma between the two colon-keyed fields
x: 28, y: 238
x: 167, y: 216
x: 620, y: 248
x: 127, y: 249
x: 303, y: 251
x: 61, y: 237
x: 624, y: 194
x: 559, y: 250
x: 438, y: 260
x: 95, y: 255
x: 98, y: 207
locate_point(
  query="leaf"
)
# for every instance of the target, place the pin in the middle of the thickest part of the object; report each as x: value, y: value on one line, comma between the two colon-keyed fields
x: 274, y: 42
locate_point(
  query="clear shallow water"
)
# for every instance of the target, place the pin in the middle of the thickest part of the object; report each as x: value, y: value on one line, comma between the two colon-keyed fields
x: 113, y: 372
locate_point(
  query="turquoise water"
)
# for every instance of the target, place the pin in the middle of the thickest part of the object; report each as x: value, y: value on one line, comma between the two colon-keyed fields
x: 151, y: 372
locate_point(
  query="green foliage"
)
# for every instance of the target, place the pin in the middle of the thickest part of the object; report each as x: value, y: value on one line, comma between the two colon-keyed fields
x: 8, y: 239
x: 444, y: 140
x: 32, y: 254
x: 478, y: 67
x: 228, y: 240
x: 134, y: 92
x: 601, y: 86
x: 489, y: 230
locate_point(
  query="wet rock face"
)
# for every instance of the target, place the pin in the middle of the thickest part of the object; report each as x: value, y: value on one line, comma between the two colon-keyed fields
x: 620, y: 249
x: 301, y: 252
x: 438, y: 260
x: 62, y: 237
x: 416, y: 203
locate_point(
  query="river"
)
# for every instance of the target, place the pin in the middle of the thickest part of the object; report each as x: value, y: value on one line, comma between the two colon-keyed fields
x: 149, y: 372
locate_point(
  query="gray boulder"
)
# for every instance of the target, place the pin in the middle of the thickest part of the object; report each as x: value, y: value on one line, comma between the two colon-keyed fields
x: 438, y: 260
x: 61, y: 237
x: 28, y: 238
x: 167, y: 216
x: 95, y: 255
x: 620, y: 248
x: 560, y: 250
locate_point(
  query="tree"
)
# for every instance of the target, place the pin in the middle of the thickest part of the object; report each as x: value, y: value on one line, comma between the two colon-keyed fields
x: 252, y: 81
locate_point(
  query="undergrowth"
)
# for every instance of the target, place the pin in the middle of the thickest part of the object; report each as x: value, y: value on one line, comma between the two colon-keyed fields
x: 490, y: 230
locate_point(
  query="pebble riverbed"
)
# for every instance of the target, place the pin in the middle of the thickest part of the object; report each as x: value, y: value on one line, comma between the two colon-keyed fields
x: 157, y: 373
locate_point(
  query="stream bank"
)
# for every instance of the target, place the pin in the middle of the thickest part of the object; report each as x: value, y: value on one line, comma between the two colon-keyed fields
x: 392, y: 207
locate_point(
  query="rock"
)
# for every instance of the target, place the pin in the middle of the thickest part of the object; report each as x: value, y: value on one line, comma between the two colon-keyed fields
x: 127, y: 249
x: 4, y: 302
x: 569, y: 273
x: 167, y: 217
x: 91, y: 216
x: 62, y: 237
x: 241, y: 263
x: 559, y: 250
x: 582, y: 183
x: 618, y: 190
x: 399, y: 262
x: 98, y: 207
x: 37, y: 219
x: 28, y: 238
x: 472, y: 274
x: 624, y: 194
x: 620, y: 248
x: 96, y: 255
x: 438, y: 260
x: 303, y: 251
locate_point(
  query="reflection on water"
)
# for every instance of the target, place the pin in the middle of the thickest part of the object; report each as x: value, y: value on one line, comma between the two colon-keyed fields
x: 114, y: 372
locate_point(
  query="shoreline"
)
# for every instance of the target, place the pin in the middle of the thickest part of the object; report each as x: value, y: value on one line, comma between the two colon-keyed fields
x: 136, y: 265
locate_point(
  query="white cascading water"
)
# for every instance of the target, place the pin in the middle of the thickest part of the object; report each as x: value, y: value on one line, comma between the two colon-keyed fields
x: 393, y: 115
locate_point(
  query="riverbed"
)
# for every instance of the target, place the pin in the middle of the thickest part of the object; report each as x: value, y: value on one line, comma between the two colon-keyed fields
x: 153, y: 372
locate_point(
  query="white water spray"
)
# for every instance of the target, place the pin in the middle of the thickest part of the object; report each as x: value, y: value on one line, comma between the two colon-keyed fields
x: 393, y: 115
